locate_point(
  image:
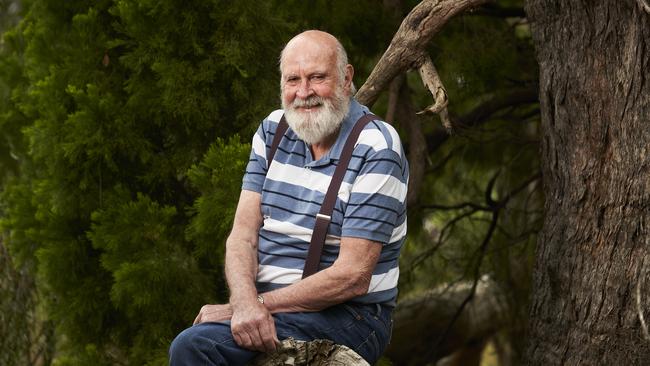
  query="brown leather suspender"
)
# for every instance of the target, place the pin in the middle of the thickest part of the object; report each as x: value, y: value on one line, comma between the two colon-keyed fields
x: 324, y: 216
x: 279, y: 132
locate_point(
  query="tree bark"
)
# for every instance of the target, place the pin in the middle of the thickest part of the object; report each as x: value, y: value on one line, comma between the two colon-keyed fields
x: 592, y: 277
x: 317, y: 352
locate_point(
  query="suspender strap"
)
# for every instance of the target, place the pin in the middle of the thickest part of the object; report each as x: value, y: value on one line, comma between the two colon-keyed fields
x: 279, y: 133
x: 324, y: 216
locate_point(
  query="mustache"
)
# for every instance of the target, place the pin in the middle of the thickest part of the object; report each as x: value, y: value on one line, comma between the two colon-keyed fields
x: 312, y: 101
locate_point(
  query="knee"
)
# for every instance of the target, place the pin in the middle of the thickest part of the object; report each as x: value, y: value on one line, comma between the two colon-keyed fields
x: 188, y: 347
x: 183, y: 344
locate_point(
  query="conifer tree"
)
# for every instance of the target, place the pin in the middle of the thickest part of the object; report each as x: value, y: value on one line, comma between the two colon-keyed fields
x: 126, y: 130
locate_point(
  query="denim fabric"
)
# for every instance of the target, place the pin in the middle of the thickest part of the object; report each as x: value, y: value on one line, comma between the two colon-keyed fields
x: 363, y: 328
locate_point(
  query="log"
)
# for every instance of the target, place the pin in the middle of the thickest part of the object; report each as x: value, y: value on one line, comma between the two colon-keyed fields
x: 314, y: 353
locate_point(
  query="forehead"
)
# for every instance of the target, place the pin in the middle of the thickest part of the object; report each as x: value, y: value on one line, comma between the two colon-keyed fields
x: 308, y: 55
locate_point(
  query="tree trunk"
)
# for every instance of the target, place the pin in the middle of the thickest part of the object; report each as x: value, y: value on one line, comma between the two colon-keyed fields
x: 592, y: 277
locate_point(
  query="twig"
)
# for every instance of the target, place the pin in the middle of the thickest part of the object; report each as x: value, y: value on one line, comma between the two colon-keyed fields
x: 644, y: 5
x: 472, y: 292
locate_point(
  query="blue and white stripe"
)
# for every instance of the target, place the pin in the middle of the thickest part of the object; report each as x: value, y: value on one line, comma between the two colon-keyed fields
x: 370, y: 205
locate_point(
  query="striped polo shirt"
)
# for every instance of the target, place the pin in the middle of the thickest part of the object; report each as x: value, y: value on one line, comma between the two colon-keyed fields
x: 371, y: 202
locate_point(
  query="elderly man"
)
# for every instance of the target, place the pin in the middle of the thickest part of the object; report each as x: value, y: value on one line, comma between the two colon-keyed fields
x: 349, y: 301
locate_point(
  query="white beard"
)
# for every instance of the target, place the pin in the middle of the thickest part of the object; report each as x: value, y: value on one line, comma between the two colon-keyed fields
x: 316, y: 126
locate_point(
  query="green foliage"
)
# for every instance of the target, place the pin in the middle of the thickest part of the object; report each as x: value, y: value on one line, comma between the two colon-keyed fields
x: 121, y: 157
x: 111, y: 103
x: 218, y: 179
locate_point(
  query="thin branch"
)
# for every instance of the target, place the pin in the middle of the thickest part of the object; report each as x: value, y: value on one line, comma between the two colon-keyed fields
x: 491, y: 206
x: 483, y: 113
x: 448, y: 226
x: 477, y: 270
x: 520, y: 188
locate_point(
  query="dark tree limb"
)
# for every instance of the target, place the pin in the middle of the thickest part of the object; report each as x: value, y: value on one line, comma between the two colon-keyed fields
x: 405, y: 113
x: 482, y: 113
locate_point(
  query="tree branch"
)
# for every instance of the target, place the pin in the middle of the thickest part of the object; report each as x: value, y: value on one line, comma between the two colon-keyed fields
x: 393, y: 97
x: 472, y: 292
x: 432, y: 81
x: 408, y: 45
x: 483, y: 112
x: 417, y: 152
x: 644, y: 5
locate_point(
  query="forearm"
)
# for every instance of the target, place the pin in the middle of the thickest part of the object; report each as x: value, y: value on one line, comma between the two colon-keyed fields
x: 241, y: 270
x: 328, y: 287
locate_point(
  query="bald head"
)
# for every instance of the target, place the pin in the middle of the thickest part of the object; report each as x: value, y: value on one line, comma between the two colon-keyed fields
x: 317, y: 44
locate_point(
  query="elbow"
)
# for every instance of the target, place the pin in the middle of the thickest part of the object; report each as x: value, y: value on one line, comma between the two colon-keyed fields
x: 359, y: 283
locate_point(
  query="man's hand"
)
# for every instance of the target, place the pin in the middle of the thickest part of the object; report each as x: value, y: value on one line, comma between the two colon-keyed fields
x: 253, y: 327
x: 214, y: 313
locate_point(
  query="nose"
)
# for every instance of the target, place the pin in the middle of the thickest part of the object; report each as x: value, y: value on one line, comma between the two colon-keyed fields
x: 304, y: 89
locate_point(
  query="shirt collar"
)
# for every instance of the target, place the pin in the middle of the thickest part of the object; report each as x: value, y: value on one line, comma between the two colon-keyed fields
x: 355, y: 112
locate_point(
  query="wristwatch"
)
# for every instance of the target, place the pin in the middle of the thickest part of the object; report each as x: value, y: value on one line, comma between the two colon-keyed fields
x: 260, y: 299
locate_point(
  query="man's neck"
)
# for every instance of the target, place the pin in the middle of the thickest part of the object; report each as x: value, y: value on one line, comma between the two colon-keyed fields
x: 319, y: 149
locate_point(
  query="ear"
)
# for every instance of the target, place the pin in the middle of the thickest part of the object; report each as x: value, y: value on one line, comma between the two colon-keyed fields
x: 349, y: 73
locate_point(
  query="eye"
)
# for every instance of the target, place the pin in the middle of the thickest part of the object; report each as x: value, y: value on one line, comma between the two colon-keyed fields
x: 291, y: 79
x: 317, y: 78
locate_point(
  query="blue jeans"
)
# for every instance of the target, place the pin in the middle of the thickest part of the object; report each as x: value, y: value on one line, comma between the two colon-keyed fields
x: 363, y: 328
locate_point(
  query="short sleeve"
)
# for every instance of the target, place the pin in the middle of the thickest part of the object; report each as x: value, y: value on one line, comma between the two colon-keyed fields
x: 256, y: 169
x: 376, y: 209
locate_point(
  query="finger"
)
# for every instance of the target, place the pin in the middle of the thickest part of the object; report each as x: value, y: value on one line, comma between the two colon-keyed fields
x: 247, y: 342
x: 268, y: 335
x: 238, y: 340
x: 197, y: 320
x: 257, y: 342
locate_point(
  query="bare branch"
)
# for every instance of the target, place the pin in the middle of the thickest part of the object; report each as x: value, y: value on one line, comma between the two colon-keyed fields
x: 483, y: 112
x: 432, y: 81
x: 472, y: 292
x: 408, y: 44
